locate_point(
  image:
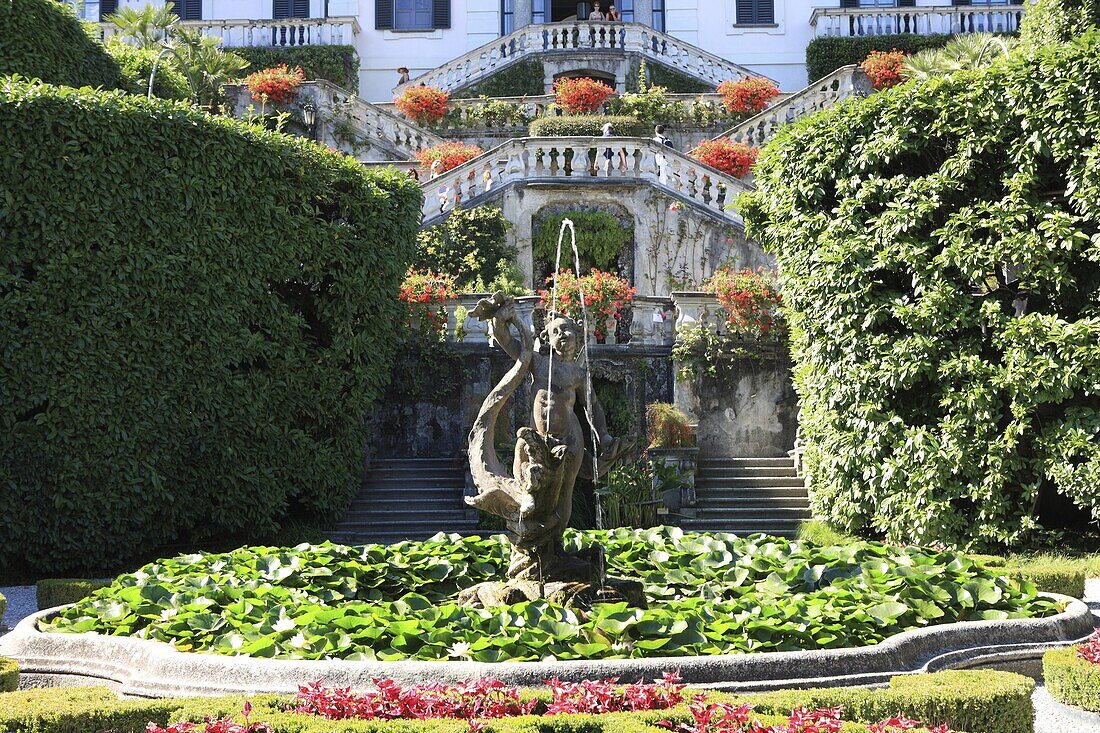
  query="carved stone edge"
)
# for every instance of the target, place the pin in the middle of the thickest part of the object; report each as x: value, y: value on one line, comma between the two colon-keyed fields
x: 142, y: 668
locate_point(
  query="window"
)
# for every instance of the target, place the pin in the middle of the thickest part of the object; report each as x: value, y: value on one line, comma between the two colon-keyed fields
x: 755, y: 12
x: 412, y: 14
x: 626, y: 10
x: 189, y: 9
x: 539, y: 12
x: 507, y: 17
x: 280, y: 8
x: 659, y: 15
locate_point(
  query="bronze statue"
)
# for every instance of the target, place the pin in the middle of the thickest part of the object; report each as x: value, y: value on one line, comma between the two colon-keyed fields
x: 536, y: 499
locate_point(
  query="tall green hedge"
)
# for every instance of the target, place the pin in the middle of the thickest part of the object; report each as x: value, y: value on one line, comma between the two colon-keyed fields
x: 908, y: 227
x: 197, y: 315
x: 827, y: 54
x: 337, y: 64
x: 1058, y: 21
x: 525, y: 77
x: 43, y: 39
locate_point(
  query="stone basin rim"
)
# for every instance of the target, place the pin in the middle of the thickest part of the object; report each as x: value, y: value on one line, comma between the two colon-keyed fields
x: 146, y: 668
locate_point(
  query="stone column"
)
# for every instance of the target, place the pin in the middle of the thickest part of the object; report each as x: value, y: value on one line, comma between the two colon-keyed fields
x: 643, y: 12
x: 523, y: 11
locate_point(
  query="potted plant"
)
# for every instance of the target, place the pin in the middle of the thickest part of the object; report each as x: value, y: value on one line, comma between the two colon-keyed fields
x: 605, y: 297
x: 672, y: 455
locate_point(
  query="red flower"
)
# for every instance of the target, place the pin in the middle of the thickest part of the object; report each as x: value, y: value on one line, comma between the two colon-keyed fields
x: 747, y: 96
x: 605, y: 296
x: 451, y: 154
x: 749, y: 298
x: 734, y: 159
x: 1090, y: 651
x: 423, y: 292
x: 581, y: 96
x: 422, y: 105
x: 276, y: 84
x: 883, y: 68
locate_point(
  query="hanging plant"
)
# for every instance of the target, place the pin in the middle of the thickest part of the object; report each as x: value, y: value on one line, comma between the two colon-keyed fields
x: 422, y: 105
x: 747, y: 96
x: 734, y: 159
x: 884, y: 68
x: 750, y: 299
x: 451, y: 154
x: 424, y: 293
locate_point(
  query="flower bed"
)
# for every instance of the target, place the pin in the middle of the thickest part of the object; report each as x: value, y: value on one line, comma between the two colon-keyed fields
x: 1073, y: 675
x: 707, y: 594
x: 983, y: 701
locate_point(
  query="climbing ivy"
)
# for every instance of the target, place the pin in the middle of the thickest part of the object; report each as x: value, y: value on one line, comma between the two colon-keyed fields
x: 940, y: 251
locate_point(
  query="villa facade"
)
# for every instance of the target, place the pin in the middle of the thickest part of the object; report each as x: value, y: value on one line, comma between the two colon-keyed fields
x: 768, y: 37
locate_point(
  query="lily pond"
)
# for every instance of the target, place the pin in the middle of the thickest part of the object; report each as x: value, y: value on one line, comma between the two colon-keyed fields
x: 707, y: 594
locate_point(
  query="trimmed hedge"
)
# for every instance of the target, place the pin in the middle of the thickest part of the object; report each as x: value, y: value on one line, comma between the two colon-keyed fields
x: 1050, y: 577
x: 931, y: 411
x: 9, y: 675
x: 991, y: 702
x: 986, y: 701
x: 585, y: 126
x: 676, y: 82
x: 198, y: 313
x: 822, y: 533
x: 827, y: 54
x: 43, y: 39
x: 136, y: 65
x: 54, y: 592
x: 1072, y: 680
x: 337, y: 64
x: 523, y: 78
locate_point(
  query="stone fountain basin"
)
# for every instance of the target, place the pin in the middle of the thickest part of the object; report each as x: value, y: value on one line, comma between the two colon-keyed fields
x: 141, y: 668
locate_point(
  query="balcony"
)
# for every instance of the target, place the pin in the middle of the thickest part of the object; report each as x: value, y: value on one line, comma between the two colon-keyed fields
x: 880, y: 21
x: 285, y: 32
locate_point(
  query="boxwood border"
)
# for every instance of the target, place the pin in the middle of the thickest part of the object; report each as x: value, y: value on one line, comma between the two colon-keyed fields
x: 1072, y: 680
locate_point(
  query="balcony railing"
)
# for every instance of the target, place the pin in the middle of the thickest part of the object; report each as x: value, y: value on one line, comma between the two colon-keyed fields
x: 283, y: 32
x: 880, y: 21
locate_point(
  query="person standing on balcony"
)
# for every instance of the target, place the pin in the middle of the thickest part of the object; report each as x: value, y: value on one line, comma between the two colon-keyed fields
x: 404, y: 72
x: 662, y: 161
x: 613, y: 14
x: 596, y: 13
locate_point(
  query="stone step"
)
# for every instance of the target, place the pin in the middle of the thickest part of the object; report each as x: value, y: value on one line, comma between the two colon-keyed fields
x: 719, y: 502
x: 745, y: 462
x: 735, y: 481
x: 412, y: 505
x: 750, y: 492
x: 411, y: 486
x: 781, y: 527
x: 419, y: 476
x: 409, y: 493
x: 766, y: 513
x: 402, y: 517
x: 415, y: 462
x: 386, y: 538
x: 454, y: 521
x: 787, y: 471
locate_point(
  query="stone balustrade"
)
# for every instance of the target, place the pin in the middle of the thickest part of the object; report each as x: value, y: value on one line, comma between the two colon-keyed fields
x: 586, y: 36
x: 279, y: 33
x: 872, y: 21
x: 653, y: 321
x: 578, y: 160
x: 340, y: 114
x: 847, y: 81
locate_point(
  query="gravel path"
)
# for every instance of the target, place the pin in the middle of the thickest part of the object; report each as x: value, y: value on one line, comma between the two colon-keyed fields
x: 1050, y: 716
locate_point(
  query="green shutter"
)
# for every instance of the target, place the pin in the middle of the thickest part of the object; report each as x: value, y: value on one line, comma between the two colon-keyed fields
x: 441, y: 13
x: 383, y: 14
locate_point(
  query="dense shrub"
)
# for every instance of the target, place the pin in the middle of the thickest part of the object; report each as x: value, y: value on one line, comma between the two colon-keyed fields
x: 938, y: 250
x: 422, y: 105
x: 337, y: 64
x: 732, y: 158
x: 884, y: 68
x: 191, y: 356
x: 54, y: 592
x: 747, y: 96
x: 996, y: 702
x: 9, y: 675
x: 601, y: 238
x: 826, y: 54
x: 1071, y: 679
x: 523, y: 78
x: 278, y: 84
x: 136, y: 66
x: 585, y: 125
x: 676, y: 82
x: 1049, y: 577
x: 1058, y: 21
x: 469, y: 244
x: 43, y: 39
x: 581, y: 96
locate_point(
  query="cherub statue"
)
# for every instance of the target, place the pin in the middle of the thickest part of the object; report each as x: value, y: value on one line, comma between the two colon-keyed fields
x: 536, y: 500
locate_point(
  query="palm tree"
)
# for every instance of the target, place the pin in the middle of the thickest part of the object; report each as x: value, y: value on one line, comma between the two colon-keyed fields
x: 146, y: 27
x: 966, y: 51
x: 205, y: 65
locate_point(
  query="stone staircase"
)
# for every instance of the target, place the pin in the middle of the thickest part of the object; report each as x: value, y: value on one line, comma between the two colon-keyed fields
x: 748, y: 495
x: 406, y: 499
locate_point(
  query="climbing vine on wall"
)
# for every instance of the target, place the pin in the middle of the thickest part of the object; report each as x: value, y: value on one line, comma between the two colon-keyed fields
x: 600, y: 239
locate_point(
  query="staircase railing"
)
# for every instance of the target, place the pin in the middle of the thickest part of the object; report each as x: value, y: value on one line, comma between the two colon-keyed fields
x: 342, y: 110
x: 585, y: 36
x: 847, y: 81
x: 582, y: 160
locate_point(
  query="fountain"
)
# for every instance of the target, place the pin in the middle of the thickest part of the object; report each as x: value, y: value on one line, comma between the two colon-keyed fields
x: 535, y: 499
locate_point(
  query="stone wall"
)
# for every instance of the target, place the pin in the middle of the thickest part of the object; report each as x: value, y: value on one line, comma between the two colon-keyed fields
x: 752, y: 413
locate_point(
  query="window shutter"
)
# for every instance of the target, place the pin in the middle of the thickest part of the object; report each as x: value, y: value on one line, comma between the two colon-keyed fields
x: 106, y: 7
x: 188, y: 9
x: 383, y: 14
x: 849, y: 3
x: 765, y: 11
x: 280, y: 9
x: 301, y: 8
x: 745, y: 14
x: 441, y: 13
x: 960, y: 2
x: 907, y: 3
